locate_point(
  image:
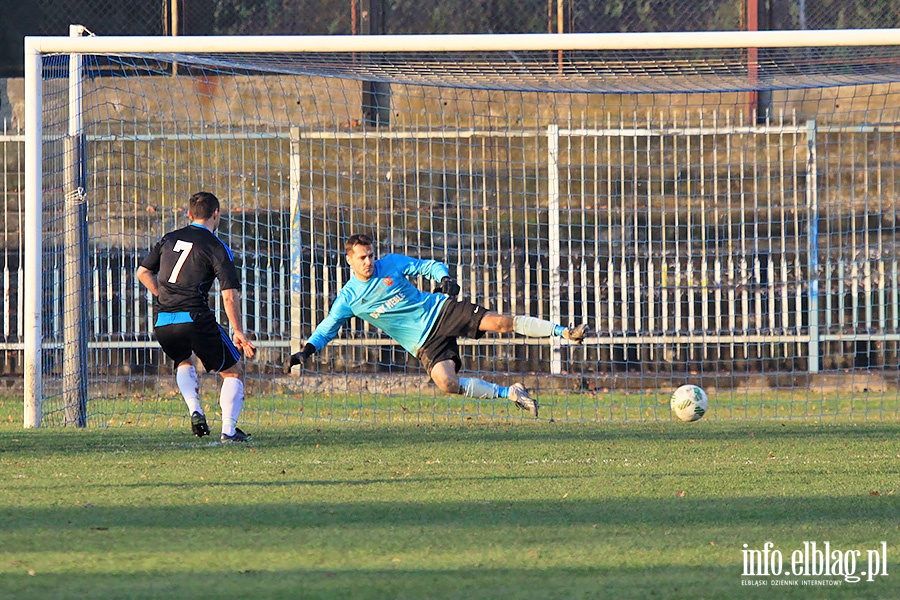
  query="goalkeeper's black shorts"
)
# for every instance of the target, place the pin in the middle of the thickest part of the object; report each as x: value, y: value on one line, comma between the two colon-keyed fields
x: 458, y: 318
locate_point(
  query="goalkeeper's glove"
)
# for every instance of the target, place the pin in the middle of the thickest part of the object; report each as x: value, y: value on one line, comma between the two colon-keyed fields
x: 298, y: 358
x: 448, y: 286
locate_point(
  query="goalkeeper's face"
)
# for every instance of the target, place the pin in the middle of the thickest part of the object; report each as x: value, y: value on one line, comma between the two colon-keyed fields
x: 362, y: 261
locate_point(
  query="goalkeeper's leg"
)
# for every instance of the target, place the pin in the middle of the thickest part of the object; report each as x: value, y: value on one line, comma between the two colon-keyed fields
x: 446, y: 378
x: 531, y: 327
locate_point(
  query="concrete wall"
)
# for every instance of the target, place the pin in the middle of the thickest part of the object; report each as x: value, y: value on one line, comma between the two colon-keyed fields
x: 314, y: 102
x: 12, y: 102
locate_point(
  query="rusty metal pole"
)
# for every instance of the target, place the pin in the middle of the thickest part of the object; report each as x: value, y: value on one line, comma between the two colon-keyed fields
x: 174, y: 9
x: 560, y: 28
x: 753, y: 59
x: 376, y: 95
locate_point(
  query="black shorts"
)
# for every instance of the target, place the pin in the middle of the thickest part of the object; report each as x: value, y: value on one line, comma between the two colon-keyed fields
x: 203, y: 337
x: 458, y: 318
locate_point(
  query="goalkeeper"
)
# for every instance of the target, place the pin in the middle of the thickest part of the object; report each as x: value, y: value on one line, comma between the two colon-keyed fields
x: 425, y: 324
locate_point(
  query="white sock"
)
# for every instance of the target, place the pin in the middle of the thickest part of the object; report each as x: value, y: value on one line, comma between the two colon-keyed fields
x: 479, y: 388
x: 231, y: 399
x: 532, y: 326
x: 186, y: 378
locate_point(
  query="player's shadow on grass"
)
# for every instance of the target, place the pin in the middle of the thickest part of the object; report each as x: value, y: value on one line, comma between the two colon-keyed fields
x: 642, y: 515
x: 402, y: 435
x: 474, y: 580
x: 317, y: 483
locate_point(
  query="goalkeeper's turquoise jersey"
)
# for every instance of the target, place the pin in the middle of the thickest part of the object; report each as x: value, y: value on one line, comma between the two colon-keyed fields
x: 389, y: 302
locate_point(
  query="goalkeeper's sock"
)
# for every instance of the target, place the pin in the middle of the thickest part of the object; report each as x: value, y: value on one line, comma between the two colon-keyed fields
x: 231, y: 399
x: 186, y: 378
x: 479, y: 388
x: 534, y: 327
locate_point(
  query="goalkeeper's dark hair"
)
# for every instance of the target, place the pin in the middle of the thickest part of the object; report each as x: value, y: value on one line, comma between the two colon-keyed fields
x: 357, y: 239
x: 203, y: 206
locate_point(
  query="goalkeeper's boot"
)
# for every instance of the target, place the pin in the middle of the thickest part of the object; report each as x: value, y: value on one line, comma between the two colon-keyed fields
x: 519, y: 395
x: 198, y: 424
x: 576, y: 334
x: 239, y: 436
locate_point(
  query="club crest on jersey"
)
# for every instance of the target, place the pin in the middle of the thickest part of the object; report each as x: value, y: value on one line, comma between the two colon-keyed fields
x: 388, y: 281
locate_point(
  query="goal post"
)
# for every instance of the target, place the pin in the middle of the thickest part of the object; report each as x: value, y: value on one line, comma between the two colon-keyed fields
x: 618, y: 179
x: 512, y: 42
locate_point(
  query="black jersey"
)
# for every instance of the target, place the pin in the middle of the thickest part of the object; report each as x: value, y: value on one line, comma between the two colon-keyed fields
x: 186, y: 262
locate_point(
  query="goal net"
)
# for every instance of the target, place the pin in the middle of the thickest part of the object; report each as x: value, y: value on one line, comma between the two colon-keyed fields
x: 719, y: 208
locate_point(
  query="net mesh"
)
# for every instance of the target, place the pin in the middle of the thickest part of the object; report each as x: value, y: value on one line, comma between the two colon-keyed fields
x: 602, y: 72
x: 714, y: 219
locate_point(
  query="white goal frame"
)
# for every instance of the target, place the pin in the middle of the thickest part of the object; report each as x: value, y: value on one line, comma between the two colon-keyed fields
x: 36, y: 47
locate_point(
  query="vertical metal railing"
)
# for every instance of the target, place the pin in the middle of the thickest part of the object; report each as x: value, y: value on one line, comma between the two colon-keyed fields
x: 675, y: 272
x: 700, y: 242
x: 12, y: 159
x: 812, y: 245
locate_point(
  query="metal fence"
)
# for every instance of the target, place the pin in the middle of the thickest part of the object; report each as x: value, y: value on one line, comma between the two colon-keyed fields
x: 755, y: 262
x: 12, y: 159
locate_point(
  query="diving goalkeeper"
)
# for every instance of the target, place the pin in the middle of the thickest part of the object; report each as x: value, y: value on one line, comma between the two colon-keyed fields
x: 426, y: 324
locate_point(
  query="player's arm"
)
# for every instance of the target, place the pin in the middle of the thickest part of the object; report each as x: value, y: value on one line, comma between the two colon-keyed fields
x: 149, y: 279
x: 148, y: 271
x: 326, y: 331
x: 229, y: 283
x: 435, y: 271
x: 231, y: 298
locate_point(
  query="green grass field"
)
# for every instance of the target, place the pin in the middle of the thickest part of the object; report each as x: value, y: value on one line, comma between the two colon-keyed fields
x: 514, y: 509
x: 167, y: 410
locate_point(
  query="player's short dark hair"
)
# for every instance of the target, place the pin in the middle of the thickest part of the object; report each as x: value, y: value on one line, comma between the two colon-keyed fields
x: 203, y: 205
x: 357, y: 239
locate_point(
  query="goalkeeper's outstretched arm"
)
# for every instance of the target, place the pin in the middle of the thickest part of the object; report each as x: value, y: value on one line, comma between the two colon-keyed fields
x: 299, y: 358
x: 327, y: 330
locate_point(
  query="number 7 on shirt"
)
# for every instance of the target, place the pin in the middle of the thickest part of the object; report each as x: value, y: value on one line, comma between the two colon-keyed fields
x: 185, y: 249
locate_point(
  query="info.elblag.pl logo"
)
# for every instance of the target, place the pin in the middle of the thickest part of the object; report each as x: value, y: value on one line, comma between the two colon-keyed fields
x: 812, y: 564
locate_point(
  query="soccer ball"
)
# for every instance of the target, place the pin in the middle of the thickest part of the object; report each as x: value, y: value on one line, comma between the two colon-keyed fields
x: 689, y: 403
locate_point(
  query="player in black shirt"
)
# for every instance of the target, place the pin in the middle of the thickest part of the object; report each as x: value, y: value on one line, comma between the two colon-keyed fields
x: 179, y: 271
